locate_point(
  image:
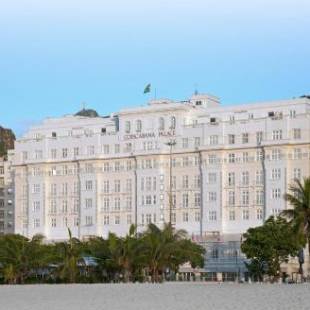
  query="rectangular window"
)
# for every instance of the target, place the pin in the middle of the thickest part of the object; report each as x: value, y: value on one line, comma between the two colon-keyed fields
x: 185, y: 181
x: 197, y: 200
x: 106, y: 149
x: 106, y: 220
x: 245, y: 178
x: 259, y: 214
x: 89, y: 185
x: 259, y: 197
x: 185, y: 216
x: 231, y: 178
x: 245, y: 198
x: 212, y: 196
x: 106, y: 186
x: 185, y: 200
x: 245, y: 138
x: 64, y: 153
x: 259, y: 137
x: 231, y: 158
x: 89, y: 220
x: 276, y: 174
x: 117, y: 220
x: 297, y: 173
x: 277, y: 134
x: 212, y: 215
x: 245, y: 214
x: 276, y: 193
x: 231, y: 139
x: 197, y: 141
x: 185, y: 143
x: 297, y: 133
x: 231, y: 198
x: 232, y: 215
x: 117, y: 186
x: 214, y: 140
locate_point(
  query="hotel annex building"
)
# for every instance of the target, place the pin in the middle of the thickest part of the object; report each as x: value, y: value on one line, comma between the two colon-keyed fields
x: 212, y: 170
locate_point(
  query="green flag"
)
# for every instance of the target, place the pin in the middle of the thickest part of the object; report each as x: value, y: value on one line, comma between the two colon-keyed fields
x: 147, y: 89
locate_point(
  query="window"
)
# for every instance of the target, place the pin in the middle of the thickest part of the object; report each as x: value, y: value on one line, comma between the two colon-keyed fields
x: 64, y: 206
x: 197, y: 141
x: 89, y: 185
x: 231, y: 178
x: 259, y: 214
x: 38, y: 154
x: 259, y: 197
x: 292, y: 114
x: 276, y: 193
x: 36, y: 223
x: 53, y: 189
x: 117, y: 166
x: 232, y: 215
x: 106, y: 167
x: 173, y: 217
x: 231, y: 139
x: 276, y: 174
x: 212, y: 196
x: 185, y: 181
x: 185, y: 216
x: 197, y: 199
x: 297, y: 154
x: 88, y: 203
x: 245, y: 157
x: 117, y: 148
x: 185, y: 200
x: 172, y: 122
x: 117, y: 204
x: 138, y: 125
x: 53, y: 208
x: 197, y: 182
x: 276, y: 154
x: 127, y: 126
x: 90, y: 150
x: 277, y: 134
x: 231, y: 157
x: 117, y: 186
x: 245, y: 198
x: 53, y: 222
x: 185, y: 143
x: 76, y: 151
x: 185, y: 161
x: 106, y: 185
x: 245, y: 178
x: 89, y: 220
x: 106, y: 149
x: 276, y: 212
x: 128, y: 203
x: 211, y: 177
x: 212, y: 215
x: 64, y: 153
x: 106, y: 204
x: 231, y: 198
x: 161, y: 122
x: 245, y: 214
x: 129, y: 219
x: 297, y: 133
x: 106, y: 220
x: 53, y: 153
x: 214, y: 140
x: 197, y: 216
x: 245, y: 138
x: 148, y: 199
x: 259, y: 137
x: 297, y: 173
x: 212, y: 159
x: 128, y: 185
x: 36, y: 206
x: 117, y: 220
x: 36, y: 188
x: 148, y: 183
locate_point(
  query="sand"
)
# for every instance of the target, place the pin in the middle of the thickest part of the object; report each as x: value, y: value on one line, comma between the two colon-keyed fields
x: 167, y: 296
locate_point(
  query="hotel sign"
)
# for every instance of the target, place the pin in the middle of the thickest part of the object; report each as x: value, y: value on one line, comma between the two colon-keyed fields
x: 160, y: 134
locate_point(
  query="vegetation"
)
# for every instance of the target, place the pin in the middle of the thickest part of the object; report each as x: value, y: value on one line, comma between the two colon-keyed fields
x: 273, y: 243
x: 135, y: 257
x: 299, y: 215
x: 268, y: 246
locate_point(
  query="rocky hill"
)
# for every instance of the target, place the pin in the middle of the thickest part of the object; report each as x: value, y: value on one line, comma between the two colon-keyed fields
x: 7, y: 139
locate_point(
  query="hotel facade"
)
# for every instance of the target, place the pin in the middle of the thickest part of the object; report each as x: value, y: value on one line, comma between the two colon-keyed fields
x: 212, y: 170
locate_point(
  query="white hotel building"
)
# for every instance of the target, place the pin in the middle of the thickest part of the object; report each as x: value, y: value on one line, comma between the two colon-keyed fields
x: 227, y: 171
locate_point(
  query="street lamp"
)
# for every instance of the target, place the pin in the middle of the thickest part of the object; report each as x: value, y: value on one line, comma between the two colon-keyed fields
x: 171, y: 143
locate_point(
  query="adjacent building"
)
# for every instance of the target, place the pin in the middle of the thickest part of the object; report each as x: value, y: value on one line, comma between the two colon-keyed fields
x: 6, y: 195
x: 210, y: 169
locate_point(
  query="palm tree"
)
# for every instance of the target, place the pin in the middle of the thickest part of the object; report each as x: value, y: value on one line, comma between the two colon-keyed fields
x: 161, y: 248
x: 299, y: 215
x: 21, y: 257
x: 68, y: 255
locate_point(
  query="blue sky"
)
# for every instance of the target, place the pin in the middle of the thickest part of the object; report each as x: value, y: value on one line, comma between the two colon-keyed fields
x: 56, y: 54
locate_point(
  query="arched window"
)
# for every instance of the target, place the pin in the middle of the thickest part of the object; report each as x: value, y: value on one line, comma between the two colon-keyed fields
x: 161, y: 123
x: 173, y: 122
x: 138, y: 125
